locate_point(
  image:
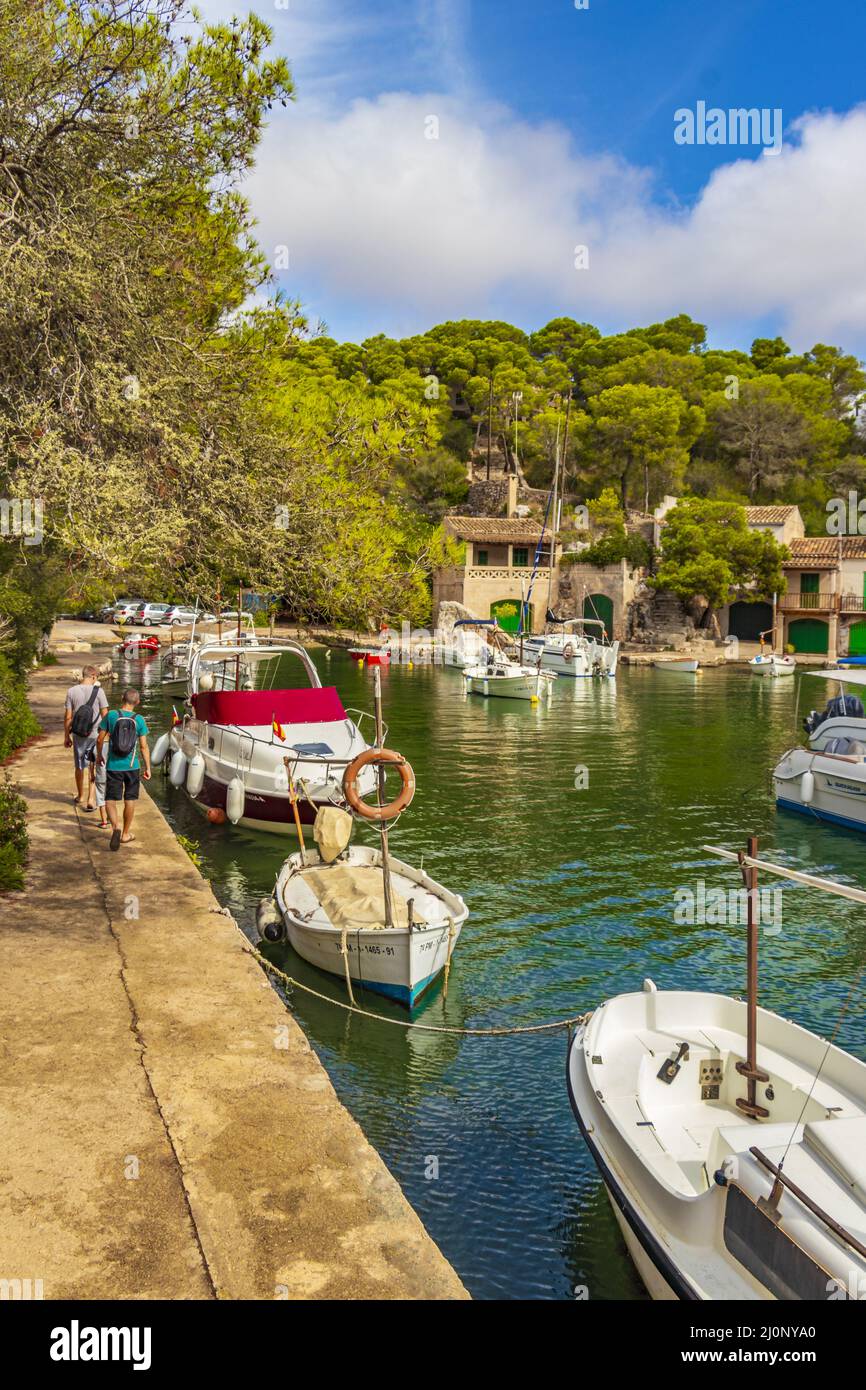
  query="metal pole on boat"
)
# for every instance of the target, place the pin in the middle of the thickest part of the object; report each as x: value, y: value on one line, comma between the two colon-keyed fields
x: 238, y: 658
x: 293, y: 797
x: 380, y: 791
x: 749, y: 1068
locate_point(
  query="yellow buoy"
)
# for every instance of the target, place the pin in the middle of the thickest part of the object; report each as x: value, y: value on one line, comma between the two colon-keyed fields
x: 411, y: 665
x: 533, y: 699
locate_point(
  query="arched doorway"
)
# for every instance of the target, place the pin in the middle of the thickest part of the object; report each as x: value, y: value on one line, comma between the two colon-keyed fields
x: 506, y: 611
x: 748, y: 620
x: 600, y: 606
x: 809, y: 635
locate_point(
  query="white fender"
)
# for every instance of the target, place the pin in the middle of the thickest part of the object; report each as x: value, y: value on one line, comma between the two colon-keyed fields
x: 195, y: 774
x: 177, y: 771
x: 160, y: 748
x: 235, y: 797
x: 807, y: 788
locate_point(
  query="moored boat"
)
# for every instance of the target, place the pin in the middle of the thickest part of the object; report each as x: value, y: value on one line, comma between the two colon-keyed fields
x: 236, y: 750
x: 574, y: 647
x: 136, y: 645
x: 772, y: 664
x: 731, y: 1141
x: 508, y: 679
x: 827, y: 780
x: 684, y: 665
x: 371, y: 656
x: 329, y: 906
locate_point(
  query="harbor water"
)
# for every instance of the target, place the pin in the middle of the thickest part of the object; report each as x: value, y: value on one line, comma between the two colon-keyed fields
x: 574, y: 830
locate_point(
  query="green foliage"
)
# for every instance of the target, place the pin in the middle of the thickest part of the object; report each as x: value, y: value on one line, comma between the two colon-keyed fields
x: 709, y: 551
x: 613, y: 548
x: 17, y: 722
x: 13, y: 837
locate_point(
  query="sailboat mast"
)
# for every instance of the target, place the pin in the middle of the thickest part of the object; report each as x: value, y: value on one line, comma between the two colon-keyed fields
x: 554, y: 524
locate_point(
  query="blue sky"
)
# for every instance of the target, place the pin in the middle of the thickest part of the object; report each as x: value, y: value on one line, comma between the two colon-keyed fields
x: 554, y: 130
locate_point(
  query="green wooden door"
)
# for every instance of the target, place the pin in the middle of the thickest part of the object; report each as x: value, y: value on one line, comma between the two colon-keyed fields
x: 857, y: 639
x: 506, y: 611
x: 809, y: 635
x: 599, y: 606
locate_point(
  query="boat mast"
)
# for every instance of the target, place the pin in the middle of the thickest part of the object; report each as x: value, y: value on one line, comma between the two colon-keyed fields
x: 380, y: 790
x: 555, y: 519
x: 749, y: 1068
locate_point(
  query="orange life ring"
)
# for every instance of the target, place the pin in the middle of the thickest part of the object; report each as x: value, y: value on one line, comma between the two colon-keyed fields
x: 378, y: 757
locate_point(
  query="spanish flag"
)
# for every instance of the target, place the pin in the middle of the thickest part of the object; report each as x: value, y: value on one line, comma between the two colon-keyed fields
x: 175, y: 717
x: 278, y: 728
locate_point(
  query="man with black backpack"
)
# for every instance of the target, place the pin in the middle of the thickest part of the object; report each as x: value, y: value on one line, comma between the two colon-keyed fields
x: 85, y: 707
x: 126, y: 733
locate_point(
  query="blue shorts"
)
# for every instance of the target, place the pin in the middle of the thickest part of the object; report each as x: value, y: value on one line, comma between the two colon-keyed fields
x: 84, y: 750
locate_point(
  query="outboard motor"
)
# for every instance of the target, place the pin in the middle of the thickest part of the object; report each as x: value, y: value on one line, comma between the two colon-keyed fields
x: 840, y: 707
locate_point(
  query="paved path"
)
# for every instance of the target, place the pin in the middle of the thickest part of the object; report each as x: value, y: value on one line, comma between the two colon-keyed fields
x: 166, y: 1131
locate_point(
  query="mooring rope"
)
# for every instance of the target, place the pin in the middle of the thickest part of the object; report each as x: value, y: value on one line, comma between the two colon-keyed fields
x: 407, y: 1023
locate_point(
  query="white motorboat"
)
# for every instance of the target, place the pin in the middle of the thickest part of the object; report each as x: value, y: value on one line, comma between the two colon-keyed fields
x: 236, y: 749
x: 326, y: 907
x: 683, y: 665
x: 498, y: 675
x: 570, y: 649
x: 772, y: 664
x: 731, y: 1141
x: 827, y: 780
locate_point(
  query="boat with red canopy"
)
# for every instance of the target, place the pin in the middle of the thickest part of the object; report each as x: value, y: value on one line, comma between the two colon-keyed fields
x: 248, y: 752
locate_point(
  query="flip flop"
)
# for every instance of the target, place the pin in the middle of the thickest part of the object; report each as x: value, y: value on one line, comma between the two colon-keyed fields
x: 128, y: 840
x: 104, y: 825
x: 88, y: 808
x: 115, y: 840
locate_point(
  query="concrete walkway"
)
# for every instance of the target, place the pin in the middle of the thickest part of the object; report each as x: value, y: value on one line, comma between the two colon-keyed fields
x: 166, y: 1130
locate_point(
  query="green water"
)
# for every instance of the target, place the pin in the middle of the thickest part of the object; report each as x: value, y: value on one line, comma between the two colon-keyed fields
x: 571, y: 898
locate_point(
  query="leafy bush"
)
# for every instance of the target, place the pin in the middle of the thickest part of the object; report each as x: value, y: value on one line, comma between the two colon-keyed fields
x: 611, y: 549
x: 13, y: 838
x: 17, y: 722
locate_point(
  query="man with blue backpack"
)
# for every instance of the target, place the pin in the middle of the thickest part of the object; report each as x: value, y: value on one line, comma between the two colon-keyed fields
x: 126, y: 733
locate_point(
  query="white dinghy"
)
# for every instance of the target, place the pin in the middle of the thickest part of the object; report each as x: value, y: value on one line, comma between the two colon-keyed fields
x: 827, y: 780
x: 335, y: 917
x: 497, y: 672
x: 731, y: 1141
x: 685, y: 666
x: 772, y: 664
x: 355, y: 911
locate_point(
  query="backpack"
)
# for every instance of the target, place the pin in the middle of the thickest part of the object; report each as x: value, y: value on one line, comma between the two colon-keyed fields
x: 82, y: 719
x: 123, y: 736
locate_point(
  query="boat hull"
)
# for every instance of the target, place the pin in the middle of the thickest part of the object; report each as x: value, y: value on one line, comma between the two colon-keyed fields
x: 823, y: 786
x: 523, y: 687
x: 397, y: 962
x: 686, y: 1169
x: 773, y: 666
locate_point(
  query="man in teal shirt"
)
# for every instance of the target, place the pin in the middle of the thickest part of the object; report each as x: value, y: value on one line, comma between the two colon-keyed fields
x: 126, y: 733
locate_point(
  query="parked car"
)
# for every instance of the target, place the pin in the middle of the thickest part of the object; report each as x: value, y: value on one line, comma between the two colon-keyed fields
x: 150, y: 614
x: 125, y: 609
x: 179, y: 613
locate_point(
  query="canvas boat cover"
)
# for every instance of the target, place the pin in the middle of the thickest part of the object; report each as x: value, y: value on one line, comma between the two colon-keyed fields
x: 352, y: 895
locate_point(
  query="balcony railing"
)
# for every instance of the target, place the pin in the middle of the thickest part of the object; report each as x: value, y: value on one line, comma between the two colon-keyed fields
x: 853, y: 603
x: 809, y: 603
x: 503, y: 571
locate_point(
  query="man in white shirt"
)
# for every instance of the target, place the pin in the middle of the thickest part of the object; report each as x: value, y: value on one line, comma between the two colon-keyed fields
x: 86, y: 705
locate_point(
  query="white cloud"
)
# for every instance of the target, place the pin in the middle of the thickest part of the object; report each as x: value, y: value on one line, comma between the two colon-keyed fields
x: 485, y: 219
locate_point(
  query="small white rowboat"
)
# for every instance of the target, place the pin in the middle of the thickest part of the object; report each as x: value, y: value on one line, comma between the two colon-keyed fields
x: 772, y: 664
x: 683, y: 665
x: 327, y: 908
x: 508, y: 679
